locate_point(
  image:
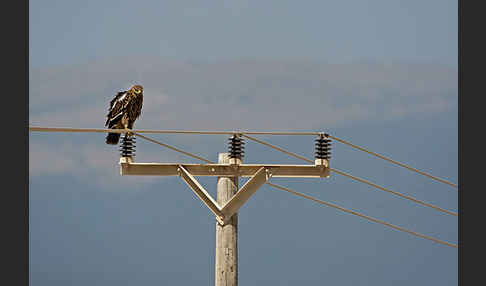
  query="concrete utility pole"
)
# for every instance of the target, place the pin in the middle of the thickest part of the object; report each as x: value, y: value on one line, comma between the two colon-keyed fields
x: 226, y: 268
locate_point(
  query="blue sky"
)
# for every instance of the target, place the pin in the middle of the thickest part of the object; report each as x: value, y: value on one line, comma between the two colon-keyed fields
x: 63, y: 32
x: 381, y: 74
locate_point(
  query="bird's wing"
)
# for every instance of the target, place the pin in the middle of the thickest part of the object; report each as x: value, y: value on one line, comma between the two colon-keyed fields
x: 139, y: 102
x: 117, y: 107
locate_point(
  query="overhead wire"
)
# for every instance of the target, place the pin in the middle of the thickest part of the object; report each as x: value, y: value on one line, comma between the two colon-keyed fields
x: 280, y: 187
x: 100, y: 130
x: 171, y: 147
x: 353, y: 177
x: 137, y: 132
x: 62, y: 129
x: 362, y: 215
x: 392, y: 192
x: 316, y: 200
x: 392, y: 161
x: 277, y: 148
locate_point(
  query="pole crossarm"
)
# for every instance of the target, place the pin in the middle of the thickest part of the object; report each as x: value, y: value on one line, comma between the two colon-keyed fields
x: 224, y: 170
x: 259, y: 175
x: 248, y: 189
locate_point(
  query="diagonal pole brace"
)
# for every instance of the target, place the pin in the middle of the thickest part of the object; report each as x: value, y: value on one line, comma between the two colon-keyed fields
x: 246, y: 191
x: 201, y: 193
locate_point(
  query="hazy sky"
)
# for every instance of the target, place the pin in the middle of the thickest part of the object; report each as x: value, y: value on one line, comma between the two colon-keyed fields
x: 381, y: 74
x: 64, y: 32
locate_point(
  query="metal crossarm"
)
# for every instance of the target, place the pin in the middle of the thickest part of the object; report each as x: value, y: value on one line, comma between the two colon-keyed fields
x: 259, y: 175
x: 223, y: 170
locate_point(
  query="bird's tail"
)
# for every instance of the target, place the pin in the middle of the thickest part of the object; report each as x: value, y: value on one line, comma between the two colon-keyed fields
x: 112, y: 138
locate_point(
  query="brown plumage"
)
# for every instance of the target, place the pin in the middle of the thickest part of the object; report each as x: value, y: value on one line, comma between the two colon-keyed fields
x: 124, y: 109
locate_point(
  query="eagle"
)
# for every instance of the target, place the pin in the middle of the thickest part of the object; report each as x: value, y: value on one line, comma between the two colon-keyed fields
x: 124, y: 109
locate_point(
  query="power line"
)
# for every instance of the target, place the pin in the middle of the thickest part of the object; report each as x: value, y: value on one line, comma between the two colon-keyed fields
x: 98, y: 130
x: 137, y: 132
x: 303, y: 158
x: 273, y: 185
x: 392, y: 161
x: 362, y: 215
x: 54, y: 129
x: 320, y: 201
x: 277, y: 148
x: 392, y: 192
x: 171, y: 147
x: 354, y: 178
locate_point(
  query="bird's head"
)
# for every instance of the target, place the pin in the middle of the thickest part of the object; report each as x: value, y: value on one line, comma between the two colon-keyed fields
x: 137, y: 89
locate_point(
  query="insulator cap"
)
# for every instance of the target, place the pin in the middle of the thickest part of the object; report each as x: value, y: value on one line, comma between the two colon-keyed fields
x: 127, y: 146
x: 236, y: 146
x: 323, y: 147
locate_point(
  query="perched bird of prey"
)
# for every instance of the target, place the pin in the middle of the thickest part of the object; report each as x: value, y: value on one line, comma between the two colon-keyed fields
x: 124, y: 109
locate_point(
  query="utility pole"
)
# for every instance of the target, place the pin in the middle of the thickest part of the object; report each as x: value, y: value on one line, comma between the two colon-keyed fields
x: 226, y: 264
x: 229, y: 196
